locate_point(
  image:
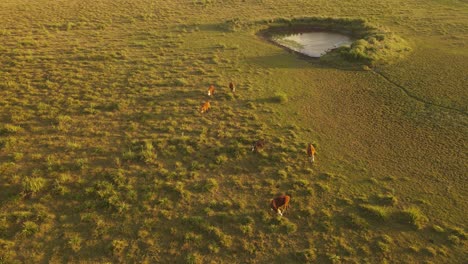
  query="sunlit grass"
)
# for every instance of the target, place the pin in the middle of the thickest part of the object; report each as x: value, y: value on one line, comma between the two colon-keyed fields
x: 104, y: 156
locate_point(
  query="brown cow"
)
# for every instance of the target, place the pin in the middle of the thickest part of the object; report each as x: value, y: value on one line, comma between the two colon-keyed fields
x: 205, y: 107
x: 280, y: 204
x: 211, y: 90
x: 232, y: 87
x: 311, y: 152
x: 258, y: 145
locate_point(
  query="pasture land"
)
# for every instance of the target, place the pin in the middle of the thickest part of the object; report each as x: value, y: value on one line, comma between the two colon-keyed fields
x: 104, y: 156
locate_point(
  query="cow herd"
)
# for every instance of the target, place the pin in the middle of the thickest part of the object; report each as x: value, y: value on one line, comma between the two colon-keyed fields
x: 280, y: 203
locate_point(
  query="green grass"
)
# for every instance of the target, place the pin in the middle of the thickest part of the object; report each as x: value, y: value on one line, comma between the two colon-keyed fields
x: 104, y: 156
x: 413, y: 217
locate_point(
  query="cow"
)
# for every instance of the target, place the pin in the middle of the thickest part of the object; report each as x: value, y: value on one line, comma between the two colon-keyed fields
x: 280, y: 204
x: 258, y: 145
x: 311, y: 152
x: 205, y: 106
x: 232, y: 87
x: 211, y: 90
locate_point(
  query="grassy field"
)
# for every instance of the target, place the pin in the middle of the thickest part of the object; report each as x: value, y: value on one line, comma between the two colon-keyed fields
x: 104, y: 156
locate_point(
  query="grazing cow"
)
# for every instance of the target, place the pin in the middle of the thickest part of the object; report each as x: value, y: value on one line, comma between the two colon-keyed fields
x: 280, y: 204
x: 205, y: 107
x: 211, y: 90
x: 311, y: 152
x: 232, y: 87
x: 258, y: 145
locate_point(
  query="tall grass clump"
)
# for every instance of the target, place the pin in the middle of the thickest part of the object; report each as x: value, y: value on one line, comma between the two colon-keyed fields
x: 413, y: 217
x: 29, y: 228
x: 32, y: 185
x: 194, y: 258
x: 306, y: 256
x: 375, y: 212
x: 9, y: 129
x: 280, y: 97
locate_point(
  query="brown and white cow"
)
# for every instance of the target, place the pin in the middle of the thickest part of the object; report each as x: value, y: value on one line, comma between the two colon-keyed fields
x: 258, y: 145
x: 311, y: 152
x: 232, y: 87
x: 211, y: 90
x: 280, y: 204
x: 205, y: 106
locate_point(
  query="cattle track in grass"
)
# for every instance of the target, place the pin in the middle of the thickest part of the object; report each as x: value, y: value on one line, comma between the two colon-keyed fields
x: 414, y: 97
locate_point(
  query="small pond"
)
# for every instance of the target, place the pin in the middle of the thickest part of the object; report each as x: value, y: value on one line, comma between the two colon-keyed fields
x: 312, y: 44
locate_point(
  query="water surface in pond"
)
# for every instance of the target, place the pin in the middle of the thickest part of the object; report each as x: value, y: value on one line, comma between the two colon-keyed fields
x: 313, y: 44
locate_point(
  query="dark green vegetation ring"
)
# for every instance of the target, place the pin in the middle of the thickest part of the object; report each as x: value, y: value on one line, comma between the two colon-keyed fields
x: 373, y: 45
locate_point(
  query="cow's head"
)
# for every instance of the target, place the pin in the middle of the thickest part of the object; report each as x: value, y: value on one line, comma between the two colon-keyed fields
x: 279, y: 212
